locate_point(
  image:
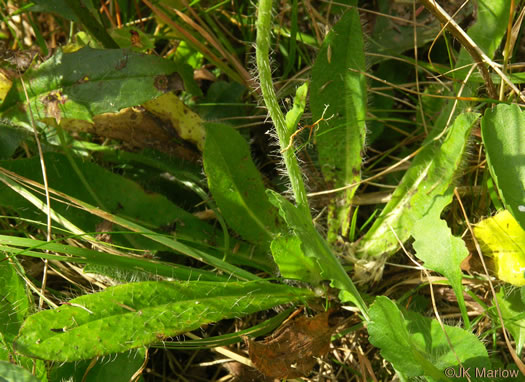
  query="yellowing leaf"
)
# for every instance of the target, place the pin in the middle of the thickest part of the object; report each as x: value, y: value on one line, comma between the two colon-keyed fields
x: 5, y: 85
x: 503, y: 238
x: 188, y: 125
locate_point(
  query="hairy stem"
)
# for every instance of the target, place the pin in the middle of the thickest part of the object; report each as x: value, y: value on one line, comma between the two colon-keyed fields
x: 270, y: 99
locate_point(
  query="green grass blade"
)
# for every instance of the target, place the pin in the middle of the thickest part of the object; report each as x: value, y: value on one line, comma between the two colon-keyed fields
x: 133, y: 315
x: 168, y: 242
x: 19, y: 246
x: 338, y: 83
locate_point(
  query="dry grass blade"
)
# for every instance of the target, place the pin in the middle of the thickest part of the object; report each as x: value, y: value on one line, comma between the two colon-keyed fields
x: 477, y: 54
x: 200, y: 46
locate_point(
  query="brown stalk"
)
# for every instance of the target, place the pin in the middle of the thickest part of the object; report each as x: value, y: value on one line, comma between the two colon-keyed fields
x: 475, y: 52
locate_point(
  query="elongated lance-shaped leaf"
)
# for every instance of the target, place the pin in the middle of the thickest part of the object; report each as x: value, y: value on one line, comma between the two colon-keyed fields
x: 168, y: 242
x: 88, y: 82
x: 503, y: 132
x: 429, y: 176
x: 339, y: 83
x: 315, y: 247
x: 440, y: 250
x: 416, y: 345
x: 133, y: 315
x: 236, y: 184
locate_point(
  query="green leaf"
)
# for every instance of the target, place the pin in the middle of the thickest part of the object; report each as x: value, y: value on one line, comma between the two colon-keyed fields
x: 165, y: 240
x: 14, y: 302
x: 429, y: 176
x: 59, y: 7
x: 440, y: 250
x: 118, y: 194
x: 502, y: 129
x: 14, y: 373
x: 292, y: 262
x: 299, y: 103
x: 487, y: 32
x: 503, y: 238
x: 512, y: 310
x: 416, y: 345
x: 88, y: 82
x: 236, y: 184
x: 133, y: 315
x: 338, y: 82
x: 316, y: 248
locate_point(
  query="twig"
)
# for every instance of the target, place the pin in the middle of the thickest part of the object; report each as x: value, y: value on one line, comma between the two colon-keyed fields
x: 311, y: 127
x: 475, y: 52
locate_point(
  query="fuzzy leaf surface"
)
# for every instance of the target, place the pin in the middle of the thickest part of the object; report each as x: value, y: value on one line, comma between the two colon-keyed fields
x: 132, y: 315
x: 88, y: 82
x: 115, y: 368
x: 338, y: 81
x: 429, y: 176
x: 503, y: 132
x: 315, y: 247
x: 416, y: 345
x: 236, y: 184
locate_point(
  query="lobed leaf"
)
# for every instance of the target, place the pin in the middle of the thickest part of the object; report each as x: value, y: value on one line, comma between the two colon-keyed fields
x: 503, y: 132
x: 136, y: 314
x: 314, y: 246
x: 292, y: 262
x: 440, y: 250
x: 338, y: 82
x: 416, y: 345
x: 430, y: 175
